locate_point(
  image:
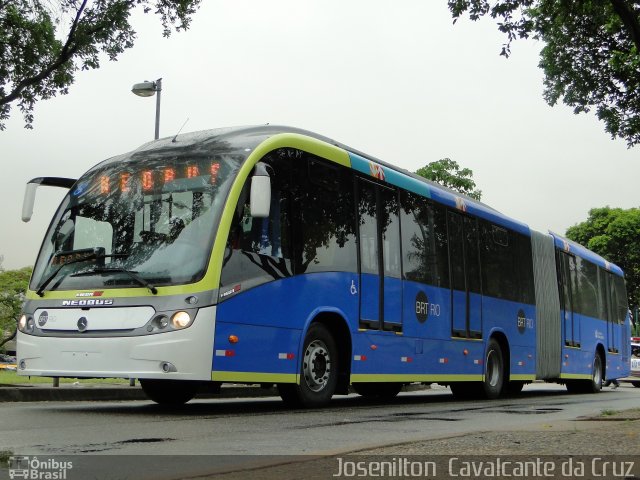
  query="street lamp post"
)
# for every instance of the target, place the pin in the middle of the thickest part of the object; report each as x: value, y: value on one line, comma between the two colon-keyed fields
x: 148, y: 89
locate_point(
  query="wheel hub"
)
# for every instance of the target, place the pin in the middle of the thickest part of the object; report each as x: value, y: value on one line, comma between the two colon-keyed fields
x: 317, y: 365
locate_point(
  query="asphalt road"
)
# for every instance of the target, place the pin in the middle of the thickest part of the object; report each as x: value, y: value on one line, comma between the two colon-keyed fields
x: 109, y: 438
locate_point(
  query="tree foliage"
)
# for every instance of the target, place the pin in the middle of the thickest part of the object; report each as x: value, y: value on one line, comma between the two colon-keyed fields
x: 613, y: 233
x: 448, y: 173
x: 591, y: 53
x: 44, y: 43
x: 13, y: 284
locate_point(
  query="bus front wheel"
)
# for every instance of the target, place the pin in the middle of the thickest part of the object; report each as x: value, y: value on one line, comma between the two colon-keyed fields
x: 318, y: 371
x: 169, y: 392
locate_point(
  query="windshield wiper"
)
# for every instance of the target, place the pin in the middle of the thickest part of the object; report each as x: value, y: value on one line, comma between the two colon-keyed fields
x: 92, y: 257
x: 132, y: 274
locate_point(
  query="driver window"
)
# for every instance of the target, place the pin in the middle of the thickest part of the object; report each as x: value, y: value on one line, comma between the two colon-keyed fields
x: 259, y: 249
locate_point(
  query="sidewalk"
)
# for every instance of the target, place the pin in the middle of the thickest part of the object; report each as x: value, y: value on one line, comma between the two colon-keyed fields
x: 101, y: 392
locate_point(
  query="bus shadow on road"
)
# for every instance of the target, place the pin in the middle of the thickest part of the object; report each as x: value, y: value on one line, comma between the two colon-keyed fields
x: 215, y: 407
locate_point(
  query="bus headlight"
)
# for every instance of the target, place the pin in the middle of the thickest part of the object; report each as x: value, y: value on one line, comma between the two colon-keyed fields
x: 180, y: 320
x: 22, y: 323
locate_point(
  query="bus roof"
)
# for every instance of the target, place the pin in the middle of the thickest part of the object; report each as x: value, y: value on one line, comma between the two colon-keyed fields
x: 570, y: 246
x: 205, y: 141
x: 251, y: 136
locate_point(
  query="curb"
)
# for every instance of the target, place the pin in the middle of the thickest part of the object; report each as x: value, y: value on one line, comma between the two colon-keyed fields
x: 87, y: 394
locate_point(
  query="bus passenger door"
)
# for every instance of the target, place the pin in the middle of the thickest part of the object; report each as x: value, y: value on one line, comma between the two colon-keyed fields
x: 379, y: 237
x: 389, y: 226
x: 567, y: 280
x: 466, y: 301
x: 612, y: 319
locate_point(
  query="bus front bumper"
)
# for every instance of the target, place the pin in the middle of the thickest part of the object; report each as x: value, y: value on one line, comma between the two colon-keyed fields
x: 178, y: 355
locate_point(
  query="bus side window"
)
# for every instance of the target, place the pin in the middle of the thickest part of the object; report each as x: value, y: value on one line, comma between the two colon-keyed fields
x: 424, y: 241
x: 324, y: 217
x: 260, y: 248
x: 623, y: 306
x: 261, y: 235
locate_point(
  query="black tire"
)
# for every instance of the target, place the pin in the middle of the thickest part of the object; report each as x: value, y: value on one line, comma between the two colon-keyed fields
x: 494, y: 371
x: 494, y: 378
x: 169, y: 392
x: 597, y: 375
x: 380, y: 390
x: 318, y: 371
x: 636, y: 384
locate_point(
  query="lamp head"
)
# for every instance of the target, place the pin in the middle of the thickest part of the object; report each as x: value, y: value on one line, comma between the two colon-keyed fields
x: 144, y: 89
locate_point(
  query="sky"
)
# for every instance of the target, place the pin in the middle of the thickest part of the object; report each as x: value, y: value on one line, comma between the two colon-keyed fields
x: 396, y: 80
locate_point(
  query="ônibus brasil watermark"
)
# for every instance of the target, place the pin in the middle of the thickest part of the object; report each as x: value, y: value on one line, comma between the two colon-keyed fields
x: 34, y: 468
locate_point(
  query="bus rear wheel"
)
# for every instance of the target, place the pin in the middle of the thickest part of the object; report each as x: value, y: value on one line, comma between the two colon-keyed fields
x: 318, y: 371
x: 377, y: 389
x: 593, y: 385
x: 494, y: 377
x: 169, y: 392
x: 494, y: 373
x: 597, y: 375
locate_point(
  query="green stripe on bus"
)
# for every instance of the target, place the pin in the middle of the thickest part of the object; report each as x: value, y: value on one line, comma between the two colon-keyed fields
x: 576, y: 376
x: 117, y: 292
x: 403, y: 377
x: 254, y: 377
x: 522, y: 377
x: 123, y: 292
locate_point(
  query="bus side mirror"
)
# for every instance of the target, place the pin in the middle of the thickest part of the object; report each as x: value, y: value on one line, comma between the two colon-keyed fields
x: 28, y: 202
x: 260, y: 195
x: 30, y: 192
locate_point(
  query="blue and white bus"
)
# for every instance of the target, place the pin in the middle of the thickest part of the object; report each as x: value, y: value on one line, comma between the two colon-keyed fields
x: 273, y: 255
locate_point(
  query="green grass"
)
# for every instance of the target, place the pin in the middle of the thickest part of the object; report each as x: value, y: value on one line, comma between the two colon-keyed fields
x: 11, y: 378
x: 608, y: 413
x: 4, y: 458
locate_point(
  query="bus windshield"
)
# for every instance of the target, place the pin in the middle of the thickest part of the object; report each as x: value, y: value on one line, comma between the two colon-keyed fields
x: 153, y: 218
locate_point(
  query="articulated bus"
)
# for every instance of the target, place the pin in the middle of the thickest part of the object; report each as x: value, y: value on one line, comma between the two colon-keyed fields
x: 272, y: 255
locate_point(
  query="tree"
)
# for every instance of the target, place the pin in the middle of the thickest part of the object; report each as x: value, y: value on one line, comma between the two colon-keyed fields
x: 13, y: 284
x: 613, y: 233
x: 35, y: 63
x: 448, y: 173
x: 591, y: 57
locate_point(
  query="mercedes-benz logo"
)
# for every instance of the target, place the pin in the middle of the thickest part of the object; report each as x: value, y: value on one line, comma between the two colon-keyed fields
x: 82, y: 324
